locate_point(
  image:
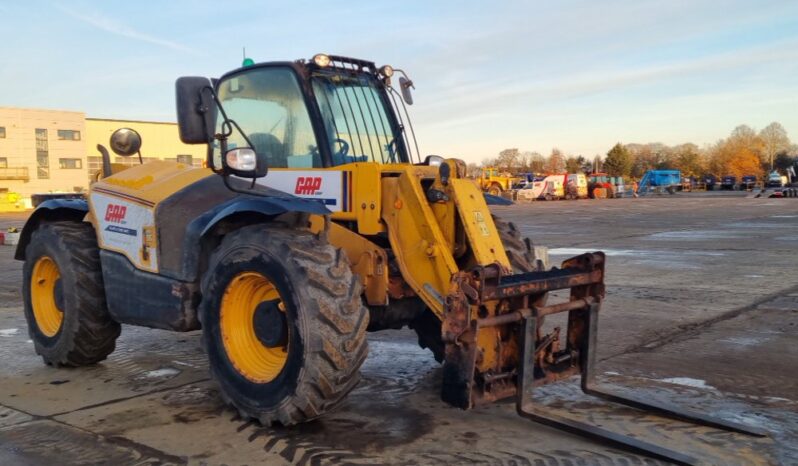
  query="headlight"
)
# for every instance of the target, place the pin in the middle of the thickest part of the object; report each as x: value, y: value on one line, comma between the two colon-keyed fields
x: 243, y: 159
x: 387, y: 71
x: 322, y: 60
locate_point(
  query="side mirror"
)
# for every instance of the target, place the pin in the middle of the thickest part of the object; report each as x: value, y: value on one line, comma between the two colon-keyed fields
x: 125, y: 142
x: 405, y: 85
x: 196, y: 109
x: 245, y: 162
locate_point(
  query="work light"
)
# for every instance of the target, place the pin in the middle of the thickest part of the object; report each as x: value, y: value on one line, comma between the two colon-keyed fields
x: 322, y: 60
x: 387, y: 71
x: 243, y: 159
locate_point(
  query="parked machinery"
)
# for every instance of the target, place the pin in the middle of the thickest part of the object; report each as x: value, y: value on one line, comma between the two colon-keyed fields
x: 495, y: 182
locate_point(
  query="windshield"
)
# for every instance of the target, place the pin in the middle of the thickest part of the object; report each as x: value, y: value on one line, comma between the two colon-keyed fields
x: 356, y: 119
x: 268, y: 105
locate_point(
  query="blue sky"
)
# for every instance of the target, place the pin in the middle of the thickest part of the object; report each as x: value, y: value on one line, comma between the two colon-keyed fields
x: 579, y: 75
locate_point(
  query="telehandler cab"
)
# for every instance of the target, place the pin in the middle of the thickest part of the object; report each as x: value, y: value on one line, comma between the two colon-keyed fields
x: 315, y: 220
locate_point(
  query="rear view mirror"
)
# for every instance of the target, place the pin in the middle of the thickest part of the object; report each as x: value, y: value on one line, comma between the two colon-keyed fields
x: 405, y: 85
x: 125, y: 142
x: 196, y: 109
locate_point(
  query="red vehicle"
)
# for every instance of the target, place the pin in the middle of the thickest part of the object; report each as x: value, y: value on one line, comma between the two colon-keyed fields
x: 600, y: 180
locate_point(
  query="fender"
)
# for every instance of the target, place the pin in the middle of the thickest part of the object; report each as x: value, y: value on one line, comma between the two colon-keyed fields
x: 269, y: 206
x: 255, y: 207
x: 73, y: 210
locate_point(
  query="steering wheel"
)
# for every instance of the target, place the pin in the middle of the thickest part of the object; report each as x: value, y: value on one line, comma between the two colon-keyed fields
x: 343, y: 150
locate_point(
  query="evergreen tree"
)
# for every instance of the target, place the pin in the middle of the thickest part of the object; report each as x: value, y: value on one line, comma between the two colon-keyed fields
x: 618, y: 161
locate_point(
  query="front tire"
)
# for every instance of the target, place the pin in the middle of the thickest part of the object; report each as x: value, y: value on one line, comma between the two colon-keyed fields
x: 283, y: 323
x: 64, y: 296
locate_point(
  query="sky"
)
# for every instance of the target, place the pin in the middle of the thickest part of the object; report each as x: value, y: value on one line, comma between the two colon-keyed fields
x: 534, y: 75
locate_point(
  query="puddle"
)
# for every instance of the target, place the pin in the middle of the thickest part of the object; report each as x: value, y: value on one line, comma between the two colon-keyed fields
x: 784, y: 216
x: 753, y: 276
x: 745, y: 341
x: 688, y: 382
x: 160, y: 373
x: 631, y: 252
x: 8, y: 332
x: 696, y: 235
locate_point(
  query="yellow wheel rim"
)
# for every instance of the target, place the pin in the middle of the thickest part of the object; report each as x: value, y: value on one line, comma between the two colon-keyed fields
x: 251, y: 358
x: 44, y: 278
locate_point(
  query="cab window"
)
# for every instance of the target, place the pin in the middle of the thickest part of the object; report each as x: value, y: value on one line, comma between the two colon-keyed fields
x: 268, y: 105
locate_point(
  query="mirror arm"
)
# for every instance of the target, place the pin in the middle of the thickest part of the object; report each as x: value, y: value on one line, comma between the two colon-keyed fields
x: 227, y: 124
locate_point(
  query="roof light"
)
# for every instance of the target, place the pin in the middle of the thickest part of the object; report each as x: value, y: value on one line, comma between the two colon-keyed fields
x: 322, y: 60
x: 387, y: 71
x: 247, y: 62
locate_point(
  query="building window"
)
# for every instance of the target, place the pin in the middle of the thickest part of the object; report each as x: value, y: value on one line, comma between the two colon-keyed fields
x: 2, y: 132
x: 42, y: 155
x: 3, y: 162
x: 68, y: 135
x: 184, y: 159
x: 70, y: 164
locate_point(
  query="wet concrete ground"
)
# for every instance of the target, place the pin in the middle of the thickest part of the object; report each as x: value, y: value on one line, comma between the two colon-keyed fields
x: 702, y: 310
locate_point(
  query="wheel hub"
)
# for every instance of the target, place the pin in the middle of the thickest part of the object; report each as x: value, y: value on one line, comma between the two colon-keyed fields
x: 270, y: 324
x: 58, y: 293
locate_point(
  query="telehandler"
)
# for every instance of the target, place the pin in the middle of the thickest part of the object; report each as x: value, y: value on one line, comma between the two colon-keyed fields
x: 315, y: 220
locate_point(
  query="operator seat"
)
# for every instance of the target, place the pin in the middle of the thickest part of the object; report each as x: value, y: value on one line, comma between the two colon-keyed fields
x: 269, y: 145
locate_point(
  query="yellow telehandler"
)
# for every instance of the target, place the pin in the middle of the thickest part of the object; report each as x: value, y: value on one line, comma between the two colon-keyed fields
x: 315, y: 220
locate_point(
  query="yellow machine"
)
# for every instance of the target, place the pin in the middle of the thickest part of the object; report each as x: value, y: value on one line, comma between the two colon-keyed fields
x: 494, y: 182
x: 315, y: 221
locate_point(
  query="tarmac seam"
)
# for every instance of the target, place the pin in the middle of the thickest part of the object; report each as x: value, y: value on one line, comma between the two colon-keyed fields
x: 117, y: 400
x: 692, y: 329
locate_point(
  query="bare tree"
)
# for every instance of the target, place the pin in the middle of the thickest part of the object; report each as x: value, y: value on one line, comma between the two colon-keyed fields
x: 774, y: 140
x: 556, y: 162
x: 508, y: 160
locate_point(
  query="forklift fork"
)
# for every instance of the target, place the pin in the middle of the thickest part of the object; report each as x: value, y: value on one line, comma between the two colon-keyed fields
x: 540, y: 359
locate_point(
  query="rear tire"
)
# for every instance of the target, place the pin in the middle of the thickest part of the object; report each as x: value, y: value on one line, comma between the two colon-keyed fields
x: 67, y: 316
x: 324, y: 339
x: 522, y: 258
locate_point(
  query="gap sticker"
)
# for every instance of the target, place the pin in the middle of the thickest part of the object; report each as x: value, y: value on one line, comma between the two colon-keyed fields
x: 328, y: 187
x: 120, y: 226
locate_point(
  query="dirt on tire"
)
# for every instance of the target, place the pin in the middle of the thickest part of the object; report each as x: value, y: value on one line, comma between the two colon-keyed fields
x: 324, y: 308
x: 88, y: 333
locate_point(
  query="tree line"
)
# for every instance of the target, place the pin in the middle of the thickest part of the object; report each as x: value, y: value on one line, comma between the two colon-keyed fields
x: 744, y: 152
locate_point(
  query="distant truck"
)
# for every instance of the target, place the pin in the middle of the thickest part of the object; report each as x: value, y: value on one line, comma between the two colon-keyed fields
x: 613, y: 185
x: 729, y: 183
x: 576, y: 186
x: 748, y: 182
x: 776, y: 180
x: 549, y: 188
x: 494, y: 182
x: 659, y: 181
x: 710, y: 182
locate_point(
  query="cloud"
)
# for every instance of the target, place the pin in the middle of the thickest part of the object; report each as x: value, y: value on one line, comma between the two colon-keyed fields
x: 501, y: 94
x: 104, y: 23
